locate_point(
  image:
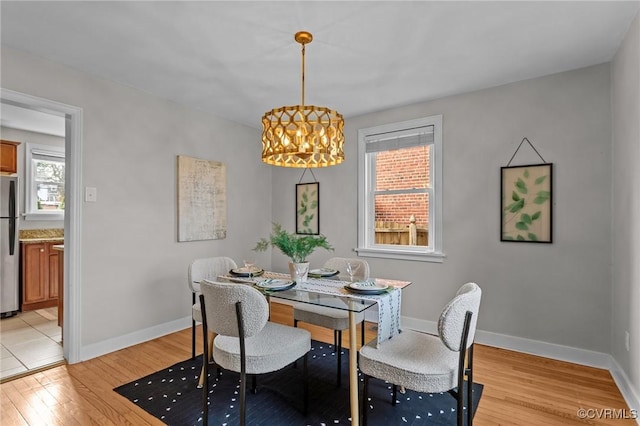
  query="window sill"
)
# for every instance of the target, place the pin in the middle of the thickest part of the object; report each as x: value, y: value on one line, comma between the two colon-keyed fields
x: 401, y: 254
x: 43, y: 216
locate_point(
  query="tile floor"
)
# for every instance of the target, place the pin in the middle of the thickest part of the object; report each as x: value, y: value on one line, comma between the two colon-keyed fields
x: 29, y: 340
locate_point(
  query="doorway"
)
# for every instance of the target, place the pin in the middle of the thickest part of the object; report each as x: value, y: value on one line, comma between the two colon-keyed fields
x: 73, y: 208
x: 31, y: 339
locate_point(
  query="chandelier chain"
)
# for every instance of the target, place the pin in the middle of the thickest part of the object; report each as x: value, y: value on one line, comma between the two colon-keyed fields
x: 303, y: 51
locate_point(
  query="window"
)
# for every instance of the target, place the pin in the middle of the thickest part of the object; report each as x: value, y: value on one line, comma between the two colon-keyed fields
x: 400, y: 190
x: 44, y: 176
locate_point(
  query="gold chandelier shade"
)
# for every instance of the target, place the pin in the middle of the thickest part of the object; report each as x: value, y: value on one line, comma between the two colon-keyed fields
x: 302, y: 135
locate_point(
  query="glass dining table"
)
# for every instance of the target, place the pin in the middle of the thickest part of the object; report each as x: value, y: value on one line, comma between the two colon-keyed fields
x: 334, y: 293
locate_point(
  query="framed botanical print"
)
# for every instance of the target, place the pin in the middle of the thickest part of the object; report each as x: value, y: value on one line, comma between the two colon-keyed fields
x: 308, y: 208
x: 526, y: 203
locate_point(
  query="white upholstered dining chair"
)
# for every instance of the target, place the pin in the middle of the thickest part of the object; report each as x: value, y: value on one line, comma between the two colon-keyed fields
x: 204, y: 269
x: 333, y: 319
x: 246, y: 341
x: 426, y: 363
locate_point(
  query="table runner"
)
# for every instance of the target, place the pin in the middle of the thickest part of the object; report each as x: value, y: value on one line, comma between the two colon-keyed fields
x: 389, y: 303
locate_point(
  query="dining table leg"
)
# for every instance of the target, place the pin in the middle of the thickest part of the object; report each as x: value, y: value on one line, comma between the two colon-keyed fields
x: 353, y: 369
x: 204, y: 370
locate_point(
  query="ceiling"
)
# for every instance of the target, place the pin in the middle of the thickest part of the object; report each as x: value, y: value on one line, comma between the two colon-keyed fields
x: 239, y: 59
x: 19, y: 118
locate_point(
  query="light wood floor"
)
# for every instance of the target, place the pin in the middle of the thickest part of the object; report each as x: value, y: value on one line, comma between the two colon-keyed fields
x: 519, y: 389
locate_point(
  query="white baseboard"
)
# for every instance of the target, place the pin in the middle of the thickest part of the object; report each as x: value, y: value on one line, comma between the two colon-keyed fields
x: 519, y: 344
x: 624, y: 384
x: 121, y: 342
x: 545, y: 349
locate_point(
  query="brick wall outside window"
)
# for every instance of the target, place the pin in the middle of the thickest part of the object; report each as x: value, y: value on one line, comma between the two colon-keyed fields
x: 402, y: 169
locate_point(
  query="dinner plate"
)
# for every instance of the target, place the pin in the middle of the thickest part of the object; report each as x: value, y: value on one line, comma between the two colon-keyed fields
x: 323, y: 272
x: 245, y: 272
x: 241, y: 280
x: 367, y: 287
x: 275, y: 284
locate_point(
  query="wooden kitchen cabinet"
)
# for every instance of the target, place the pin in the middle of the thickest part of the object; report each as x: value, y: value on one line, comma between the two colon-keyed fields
x: 59, y: 248
x: 40, y: 275
x: 53, y: 272
x: 8, y: 157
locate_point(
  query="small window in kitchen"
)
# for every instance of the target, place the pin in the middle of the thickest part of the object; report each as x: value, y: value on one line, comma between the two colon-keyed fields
x: 44, y: 182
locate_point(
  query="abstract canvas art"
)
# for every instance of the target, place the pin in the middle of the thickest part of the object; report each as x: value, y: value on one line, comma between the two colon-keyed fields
x: 202, y: 199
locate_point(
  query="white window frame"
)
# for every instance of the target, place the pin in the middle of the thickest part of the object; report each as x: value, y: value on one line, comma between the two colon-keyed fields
x: 366, y: 194
x: 31, y: 210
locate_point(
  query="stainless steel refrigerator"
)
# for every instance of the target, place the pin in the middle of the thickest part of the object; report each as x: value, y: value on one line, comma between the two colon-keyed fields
x: 9, y: 247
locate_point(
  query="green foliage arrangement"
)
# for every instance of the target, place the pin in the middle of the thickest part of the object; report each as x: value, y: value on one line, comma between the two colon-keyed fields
x: 295, y: 247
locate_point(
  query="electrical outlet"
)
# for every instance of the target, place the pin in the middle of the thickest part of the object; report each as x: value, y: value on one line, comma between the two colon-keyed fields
x: 627, y: 340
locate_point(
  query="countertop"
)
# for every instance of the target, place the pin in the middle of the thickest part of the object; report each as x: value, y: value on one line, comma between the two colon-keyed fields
x: 41, y: 235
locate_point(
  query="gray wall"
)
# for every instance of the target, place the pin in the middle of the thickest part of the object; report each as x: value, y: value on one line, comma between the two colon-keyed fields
x: 134, y: 271
x: 25, y: 137
x: 626, y: 206
x: 558, y: 293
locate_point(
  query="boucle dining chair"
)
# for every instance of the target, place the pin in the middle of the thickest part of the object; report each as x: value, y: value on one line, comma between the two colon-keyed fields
x: 333, y: 319
x: 204, y: 269
x: 246, y: 341
x: 427, y: 363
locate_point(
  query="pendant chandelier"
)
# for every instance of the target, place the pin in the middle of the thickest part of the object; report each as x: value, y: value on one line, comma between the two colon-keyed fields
x: 302, y: 135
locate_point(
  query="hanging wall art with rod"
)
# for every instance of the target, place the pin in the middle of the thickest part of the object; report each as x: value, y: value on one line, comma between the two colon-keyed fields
x: 308, y: 208
x: 526, y: 201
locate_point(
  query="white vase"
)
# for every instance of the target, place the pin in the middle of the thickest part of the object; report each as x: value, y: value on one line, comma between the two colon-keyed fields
x: 299, y: 271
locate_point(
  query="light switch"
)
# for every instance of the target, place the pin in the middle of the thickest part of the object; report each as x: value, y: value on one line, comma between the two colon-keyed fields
x: 90, y: 194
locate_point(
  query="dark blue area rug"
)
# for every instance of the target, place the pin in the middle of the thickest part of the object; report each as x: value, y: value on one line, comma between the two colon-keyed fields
x: 172, y: 396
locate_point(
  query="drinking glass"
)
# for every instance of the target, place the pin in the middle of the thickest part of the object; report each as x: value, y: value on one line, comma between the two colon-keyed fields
x: 250, y: 266
x: 352, y: 267
x: 301, y: 270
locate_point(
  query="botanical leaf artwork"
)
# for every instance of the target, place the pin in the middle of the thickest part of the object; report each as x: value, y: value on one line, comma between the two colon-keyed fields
x: 307, y: 208
x: 526, y: 203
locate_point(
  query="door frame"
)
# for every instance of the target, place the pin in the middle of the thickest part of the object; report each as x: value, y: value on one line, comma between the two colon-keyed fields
x: 72, y: 315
